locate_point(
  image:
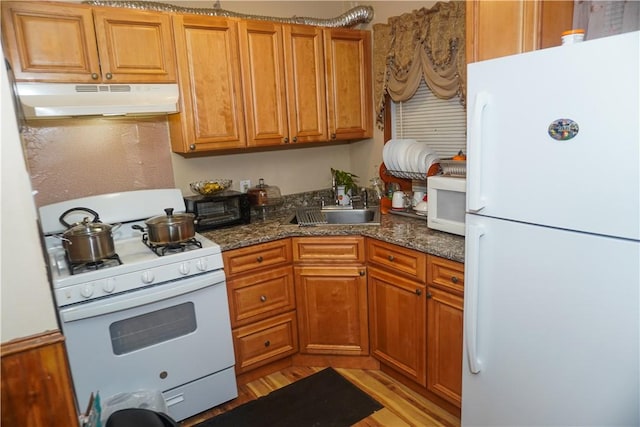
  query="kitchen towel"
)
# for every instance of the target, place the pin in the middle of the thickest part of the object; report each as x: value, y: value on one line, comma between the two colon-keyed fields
x: 324, y: 399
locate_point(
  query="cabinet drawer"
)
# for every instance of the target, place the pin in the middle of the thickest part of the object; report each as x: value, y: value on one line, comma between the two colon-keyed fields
x: 256, y: 257
x: 264, y: 342
x: 408, y: 262
x: 323, y: 250
x: 257, y: 296
x: 445, y: 273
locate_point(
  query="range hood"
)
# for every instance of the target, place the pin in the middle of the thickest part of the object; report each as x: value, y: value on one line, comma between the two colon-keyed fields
x: 49, y: 100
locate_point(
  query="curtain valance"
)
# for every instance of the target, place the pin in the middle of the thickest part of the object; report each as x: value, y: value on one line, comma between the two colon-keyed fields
x: 426, y: 43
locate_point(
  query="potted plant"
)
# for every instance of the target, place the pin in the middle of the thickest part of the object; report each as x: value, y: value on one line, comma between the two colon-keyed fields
x: 345, y: 183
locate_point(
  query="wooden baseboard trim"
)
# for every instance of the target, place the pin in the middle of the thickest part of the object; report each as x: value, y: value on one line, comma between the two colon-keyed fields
x: 444, y: 404
x: 349, y: 362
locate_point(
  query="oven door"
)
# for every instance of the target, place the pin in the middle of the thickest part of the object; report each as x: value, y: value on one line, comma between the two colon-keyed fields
x: 155, y: 338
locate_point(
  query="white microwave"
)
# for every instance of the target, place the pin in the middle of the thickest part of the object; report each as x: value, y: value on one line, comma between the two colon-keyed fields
x: 446, y: 203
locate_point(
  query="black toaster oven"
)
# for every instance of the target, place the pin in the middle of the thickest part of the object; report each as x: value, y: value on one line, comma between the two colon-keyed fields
x: 219, y: 210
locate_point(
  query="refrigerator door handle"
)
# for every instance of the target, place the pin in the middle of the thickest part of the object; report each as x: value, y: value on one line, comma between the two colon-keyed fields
x: 473, y: 236
x: 475, y: 201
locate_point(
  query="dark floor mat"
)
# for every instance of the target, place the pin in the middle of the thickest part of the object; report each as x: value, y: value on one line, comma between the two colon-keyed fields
x: 324, y: 399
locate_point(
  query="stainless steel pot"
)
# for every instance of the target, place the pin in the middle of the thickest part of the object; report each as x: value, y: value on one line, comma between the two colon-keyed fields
x: 88, y: 240
x: 170, y: 228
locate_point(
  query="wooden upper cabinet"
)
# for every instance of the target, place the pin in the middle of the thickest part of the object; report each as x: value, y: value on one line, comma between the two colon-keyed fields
x: 501, y: 28
x: 262, y: 61
x: 66, y: 43
x: 50, y: 42
x: 348, y: 72
x: 306, y: 88
x: 284, y: 85
x: 135, y: 46
x: 211, y: 114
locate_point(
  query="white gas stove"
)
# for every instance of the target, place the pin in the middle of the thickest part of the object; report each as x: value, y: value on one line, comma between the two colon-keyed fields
x: 149, y: 317
x: 136, y: 266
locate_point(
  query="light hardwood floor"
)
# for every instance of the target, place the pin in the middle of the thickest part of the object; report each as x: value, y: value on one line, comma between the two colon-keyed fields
x: 402, y: 406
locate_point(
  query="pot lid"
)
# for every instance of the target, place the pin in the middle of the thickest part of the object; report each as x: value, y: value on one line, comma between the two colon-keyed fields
x: 88, y: 228
x: 170, y: 218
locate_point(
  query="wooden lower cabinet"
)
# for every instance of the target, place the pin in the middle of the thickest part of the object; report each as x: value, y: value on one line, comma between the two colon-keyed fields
x: 263, y: 342
x: 262, y: 305
x: 332, y: 310
x: 36, y: 383
x: 445, y: 303
x: 331, y: 295
x: 444, y: 346
x: 398, y: 310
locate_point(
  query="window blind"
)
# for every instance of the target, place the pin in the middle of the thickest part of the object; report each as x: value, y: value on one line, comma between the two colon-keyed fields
x: 440, y: 123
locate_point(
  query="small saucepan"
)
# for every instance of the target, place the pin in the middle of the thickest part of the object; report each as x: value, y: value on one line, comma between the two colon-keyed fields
x: 89, y: 240
x: 170, y: 228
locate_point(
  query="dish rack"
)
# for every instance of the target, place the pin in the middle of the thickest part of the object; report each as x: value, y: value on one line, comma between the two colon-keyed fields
x: 433, y: 170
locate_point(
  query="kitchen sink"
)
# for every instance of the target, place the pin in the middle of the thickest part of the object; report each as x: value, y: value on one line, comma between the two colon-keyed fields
x: 318, y: 216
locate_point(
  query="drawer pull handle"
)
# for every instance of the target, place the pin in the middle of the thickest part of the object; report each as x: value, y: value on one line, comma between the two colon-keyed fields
x: 259, y: 259
x: 267, y: 343
x: 418, y: 292
x: 391, y: 257
x: 263, y: 298
x: 454, y: 279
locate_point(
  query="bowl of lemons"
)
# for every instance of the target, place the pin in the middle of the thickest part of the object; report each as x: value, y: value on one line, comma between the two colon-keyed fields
x: 210, y: 187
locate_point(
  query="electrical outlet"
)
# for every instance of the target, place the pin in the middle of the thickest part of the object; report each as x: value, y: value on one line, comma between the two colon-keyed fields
x: 245, y: 184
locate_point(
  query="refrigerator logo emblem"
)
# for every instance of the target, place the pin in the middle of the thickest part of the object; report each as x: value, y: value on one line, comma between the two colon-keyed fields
x: 563, y: 129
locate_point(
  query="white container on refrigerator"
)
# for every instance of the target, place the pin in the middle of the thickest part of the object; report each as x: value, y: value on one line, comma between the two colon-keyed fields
x: 552, y: 286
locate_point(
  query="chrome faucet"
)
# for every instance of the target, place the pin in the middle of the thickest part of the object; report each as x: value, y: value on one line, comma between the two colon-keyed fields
x: 334, y: 187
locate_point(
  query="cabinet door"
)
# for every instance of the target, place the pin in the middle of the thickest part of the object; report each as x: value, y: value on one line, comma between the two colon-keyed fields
x: 348, y: 71
x: 262, y: 60
x: 135, y: 46
x: 501, y: 28
x: 397, y: 310
x: 53, y: 43
x: 444, y: 345
x: 332, y: 310
x: 211, y: 115
x: 306, y: 90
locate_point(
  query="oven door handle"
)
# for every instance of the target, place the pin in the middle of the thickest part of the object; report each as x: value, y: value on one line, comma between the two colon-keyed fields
x: 141, y: 297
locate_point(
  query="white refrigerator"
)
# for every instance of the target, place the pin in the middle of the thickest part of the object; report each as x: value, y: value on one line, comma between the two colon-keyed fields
x: 552, y: 260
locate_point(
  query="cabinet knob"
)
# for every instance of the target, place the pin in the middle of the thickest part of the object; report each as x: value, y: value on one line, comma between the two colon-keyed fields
x: 391, y: 257
x: 286, y: 140
x: 259, y: 259
x: 333, y: 136
x: 454, y: 279
x: 263, y: 298
x: 429, y: 295
x: 418, y: 292
x: 94, y: 76
x: 109, y: 76
x: 192, y: 147
x: 267, y: 343
x: 295, y: 139
x: 362, y: 273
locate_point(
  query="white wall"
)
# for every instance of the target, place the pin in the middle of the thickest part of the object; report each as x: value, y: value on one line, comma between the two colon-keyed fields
x: 25, y: 298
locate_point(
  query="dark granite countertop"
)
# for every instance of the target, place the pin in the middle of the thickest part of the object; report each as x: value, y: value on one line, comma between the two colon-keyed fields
x: 408, y: 232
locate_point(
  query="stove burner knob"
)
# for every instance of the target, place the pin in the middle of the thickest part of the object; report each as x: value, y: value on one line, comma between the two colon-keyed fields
x: 87, y: 290
x: 202, y: 264
x: 109, y: 286
x: 147, y: 277
x: 184, y: 268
